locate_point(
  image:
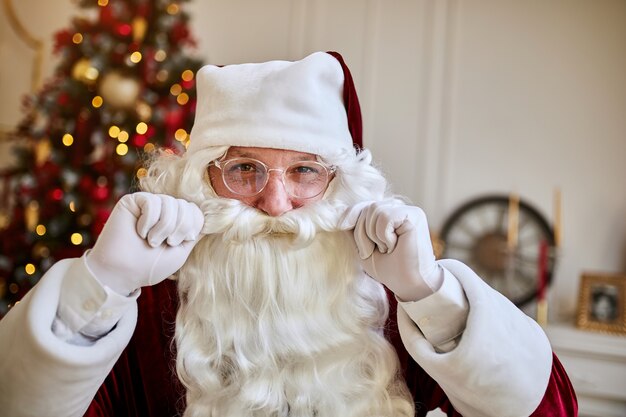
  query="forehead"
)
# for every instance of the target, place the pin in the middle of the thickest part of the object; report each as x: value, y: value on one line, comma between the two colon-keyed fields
x: 269, y: 154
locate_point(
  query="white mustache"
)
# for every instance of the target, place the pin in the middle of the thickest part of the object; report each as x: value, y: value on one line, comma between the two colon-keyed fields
x: 239, y: 222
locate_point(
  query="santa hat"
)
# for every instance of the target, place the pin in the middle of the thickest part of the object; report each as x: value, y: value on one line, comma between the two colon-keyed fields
x: 308, y: 106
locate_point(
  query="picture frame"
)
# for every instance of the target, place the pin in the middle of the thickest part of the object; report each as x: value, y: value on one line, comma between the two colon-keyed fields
x: 602, y: 303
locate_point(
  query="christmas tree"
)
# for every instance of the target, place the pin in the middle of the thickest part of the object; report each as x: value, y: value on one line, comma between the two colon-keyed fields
x: 123, y: 88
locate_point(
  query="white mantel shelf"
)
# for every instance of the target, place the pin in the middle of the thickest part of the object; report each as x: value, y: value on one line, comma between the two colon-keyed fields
x: 596, y: 364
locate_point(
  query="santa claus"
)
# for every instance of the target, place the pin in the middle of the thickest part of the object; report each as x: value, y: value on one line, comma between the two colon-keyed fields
x: 281, y: 238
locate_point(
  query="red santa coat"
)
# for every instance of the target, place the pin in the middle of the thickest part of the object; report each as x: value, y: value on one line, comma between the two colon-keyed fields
x: 143, y: 383
x: 43, y: 375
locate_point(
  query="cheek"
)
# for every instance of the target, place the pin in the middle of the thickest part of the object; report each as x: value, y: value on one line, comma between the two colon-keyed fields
x: 310, y: 200
x: 218, y: 185
x: 222, y: 191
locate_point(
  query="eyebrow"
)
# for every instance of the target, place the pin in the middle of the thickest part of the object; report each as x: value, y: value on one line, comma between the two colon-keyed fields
x: 244, y: 154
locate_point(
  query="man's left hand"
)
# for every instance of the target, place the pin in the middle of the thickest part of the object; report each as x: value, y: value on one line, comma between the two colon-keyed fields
x: 394, y: 245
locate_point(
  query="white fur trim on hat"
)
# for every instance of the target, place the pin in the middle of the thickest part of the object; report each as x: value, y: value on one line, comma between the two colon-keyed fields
x: 277, y: 104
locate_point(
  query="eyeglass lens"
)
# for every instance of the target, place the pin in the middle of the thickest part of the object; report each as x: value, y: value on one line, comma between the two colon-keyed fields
x: 248, y: 177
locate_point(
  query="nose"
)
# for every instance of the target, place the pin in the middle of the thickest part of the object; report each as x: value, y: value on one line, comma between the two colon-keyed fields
x: 274, y: 200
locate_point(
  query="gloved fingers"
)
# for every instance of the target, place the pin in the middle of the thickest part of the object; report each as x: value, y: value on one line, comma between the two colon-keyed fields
x: 415, y: 220
x: 352, y: 214
x: 166, y: 223
x: 373, y: 216
x: 375, y: 225
x: 388, y: 225
x: 365, y: 246
x: 188, y: 223
x: 150, y: 207
x: 128, y: 202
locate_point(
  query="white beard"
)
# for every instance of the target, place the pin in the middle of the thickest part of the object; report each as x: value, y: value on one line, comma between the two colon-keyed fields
x: 267, y: 327
x: 276, y: 317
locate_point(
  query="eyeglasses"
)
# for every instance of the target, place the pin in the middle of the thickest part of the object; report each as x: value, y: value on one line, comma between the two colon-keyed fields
x: 248, y: 177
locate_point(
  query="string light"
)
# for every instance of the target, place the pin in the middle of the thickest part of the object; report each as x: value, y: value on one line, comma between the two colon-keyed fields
x: 103, y: 3
x: 187, y: 75
x: 97, y: 102
x: 91, y: 74
x: 40, y: 229
x: 123, y: 136
x: 141, y: 128
x: 121, y: 149
x: 160, y: 55
x: 176, y: 89
x: 142, y: 172
x: 182, y: 99
x: 67, y: 139
x: 77, y: 38
x: 135, y: 57
x: 114, y: 131
x: 149, y: 147
x: 72, y: 206
x: 30, y: 269
x: 76, y: 238
x: 180, y: 135
x: 172, y: 9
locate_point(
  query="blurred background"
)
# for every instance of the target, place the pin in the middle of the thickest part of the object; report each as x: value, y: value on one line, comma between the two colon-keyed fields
x: 460, y: 99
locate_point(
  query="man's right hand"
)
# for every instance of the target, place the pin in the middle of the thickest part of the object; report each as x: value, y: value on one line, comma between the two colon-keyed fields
x: 147, y: 238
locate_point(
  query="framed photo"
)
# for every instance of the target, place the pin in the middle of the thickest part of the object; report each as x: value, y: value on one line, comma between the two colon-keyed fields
x: 602, y: 303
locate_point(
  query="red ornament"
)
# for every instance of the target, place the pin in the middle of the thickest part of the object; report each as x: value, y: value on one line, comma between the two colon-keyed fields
x: 139, y: 140
x: 124, y: 29
x: 173, y: 118
x: 62, y: 39
x: 56, y: 194
x: 100, y: 193
x: 180, y: 34
x: 188, y: 85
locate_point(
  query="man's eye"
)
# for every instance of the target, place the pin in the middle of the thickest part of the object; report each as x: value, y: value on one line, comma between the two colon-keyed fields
x: 304, y: 169
x: 243, y: 167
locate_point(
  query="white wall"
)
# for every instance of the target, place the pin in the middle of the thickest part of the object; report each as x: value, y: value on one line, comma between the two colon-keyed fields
x: 460, y: 98
x: 539, y: 100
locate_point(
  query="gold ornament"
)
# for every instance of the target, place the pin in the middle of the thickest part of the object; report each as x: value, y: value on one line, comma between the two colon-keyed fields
x: 139, y: 28
x: 119, y: 91
x: 84, y: 72
x: 31, y: 215
x: 144, y: 111
x: 5, y: 220
x: 43, y: 148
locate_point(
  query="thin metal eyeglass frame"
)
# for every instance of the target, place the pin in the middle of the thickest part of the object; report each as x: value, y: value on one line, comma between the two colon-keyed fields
x: 330, y: 170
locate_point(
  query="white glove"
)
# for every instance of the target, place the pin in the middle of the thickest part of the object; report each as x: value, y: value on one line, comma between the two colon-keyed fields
x: 394, y: 245
x: 146, y: 239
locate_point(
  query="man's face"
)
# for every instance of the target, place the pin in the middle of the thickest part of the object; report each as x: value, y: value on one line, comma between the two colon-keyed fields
x: 273, y: 199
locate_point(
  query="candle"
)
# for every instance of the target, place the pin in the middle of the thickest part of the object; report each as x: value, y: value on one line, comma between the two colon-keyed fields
x: 542, y: 270
x: 542, y: 283
x: 513, y: 221
x: 557, y: 217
